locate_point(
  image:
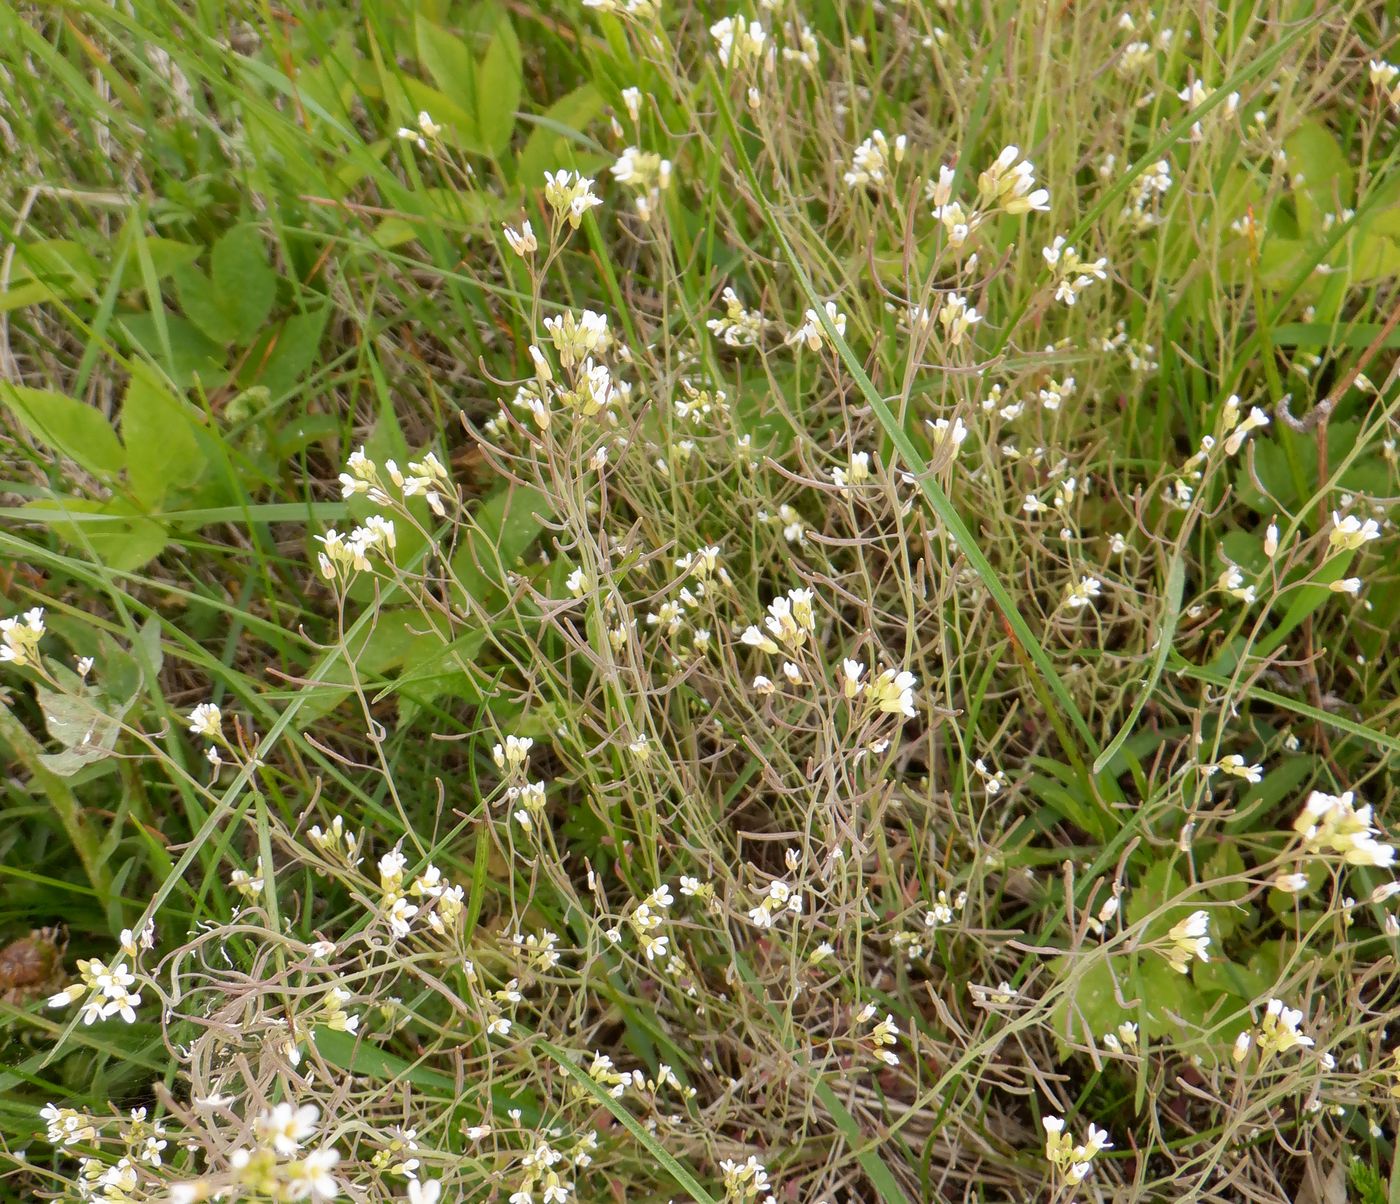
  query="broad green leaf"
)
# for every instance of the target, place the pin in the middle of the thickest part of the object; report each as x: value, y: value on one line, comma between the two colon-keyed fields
x: 201, y: 305
x: 280, y: 358
x: 167, y: 256
x: 499, y: 79
x: 194, y: 354
x: 447, y: 59
x: 87, y: 731
x: 499, y: 533
x: 1326, y: 185
x: 1160, y: 883
x: 161, y: 449
x: 246, y: 286
x: 557, y: 138
x: 65, y: 425
x: 117, y: 537
x: 59, y: 263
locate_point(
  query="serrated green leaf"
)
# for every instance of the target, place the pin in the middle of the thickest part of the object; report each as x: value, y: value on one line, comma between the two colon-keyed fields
x: 67, y: 426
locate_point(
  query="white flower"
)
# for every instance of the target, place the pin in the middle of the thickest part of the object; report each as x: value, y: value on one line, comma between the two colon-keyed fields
x: 1334, y: 824
x: 521, y: 241
x: 570, y: 195
x: 1082, y: 594
x: 893, y: 692
x: 1010, y: 183
x: 514, y: 754
x: 425, y: 1191
x: 957, y: 317
x: 1190, y: 938
x: 577, y: 338
x: 285, y: 1127
x: 812, y: 332
x: 311, y: 1178
x: 872, y: 160
x: 205, y: 720
x: 1278, y: 1030
x: 857, y: 473
x: 1350, y: 532
x: 21, y: 637
x: 737, y: 40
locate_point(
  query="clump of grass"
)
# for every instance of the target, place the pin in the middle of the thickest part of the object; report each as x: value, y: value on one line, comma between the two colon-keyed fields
x: 616, y: 600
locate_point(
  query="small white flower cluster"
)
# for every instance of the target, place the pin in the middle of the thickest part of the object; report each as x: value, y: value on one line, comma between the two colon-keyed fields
x: 790, y: 621
x: 746, y: 1182
x: 589, y: 388
x: 1231, y: 582
x: 740, y: 42
x: 882, y: 1037
x: 336, y: 840
x: 957, y: 317
x: 1236, y: 766
x: 913, y: 943
x: 569, y: 195
x: 647, y: 917
x: 856, y: 472
x: 1124, y: 1040
x: 342, y: 556
x: 1072, y: 1162
x: 1139, y: 354
x: 439, y: 900
x: 740, y: 327
x: 1082, y: 593
x: 812, y: 332
x: 674, y: 616
x: 1072, y: 275
x: 539, y: 949
x: 1008, y: 186
x: 545, y: 1168
x: 1195, y: 94
x: 1235, y: 430
x: 779, y: 899
x: 874, y: 160
x: 121, y: 1182
x: 1349, y: 533
x: 1143, y: 208
x: 427, y: 130
x: 281, y: 1134
x: 786, y: 630
x: 1190, y: 938
x: 106, y: 990
x: 1277, y: 1033
x: 1332, y: 823
x: 19, y: 638
x: 1385, y: 78
x: 646, y: 174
